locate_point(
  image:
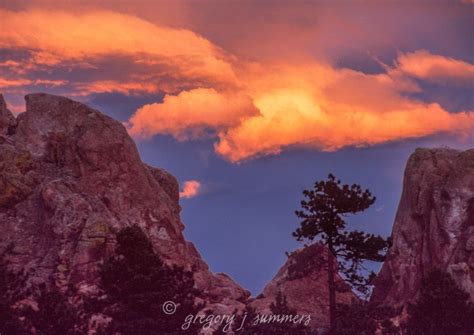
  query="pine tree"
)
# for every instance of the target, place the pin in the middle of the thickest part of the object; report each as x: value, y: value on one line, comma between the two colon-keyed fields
x: 442, y: 308
x: 323, y: 214
x: 55, y: 314
x: 138, y: 283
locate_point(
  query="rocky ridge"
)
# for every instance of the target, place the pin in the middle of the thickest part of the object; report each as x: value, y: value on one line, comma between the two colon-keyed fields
x: 70, y: 179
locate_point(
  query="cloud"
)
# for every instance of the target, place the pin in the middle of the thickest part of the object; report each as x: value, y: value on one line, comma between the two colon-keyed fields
x: 109, y: 86
x: 51, y: 83
x: 18, y: 83
x: 191, y: 189
x: 424, y: 65
x: 313, y: 105
x: 55, y: 38
x: 10, y: 63
x: 4, y: 82
x: 191, y: 114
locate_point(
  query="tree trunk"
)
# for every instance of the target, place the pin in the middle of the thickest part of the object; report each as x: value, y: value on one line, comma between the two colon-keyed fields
x: 332, y: 290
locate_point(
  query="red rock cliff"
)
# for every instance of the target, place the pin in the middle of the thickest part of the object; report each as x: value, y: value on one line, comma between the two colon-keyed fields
x: 434, y: 225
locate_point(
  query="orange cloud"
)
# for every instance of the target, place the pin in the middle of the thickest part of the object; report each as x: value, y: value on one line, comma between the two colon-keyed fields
x: 50, y: 83
x: 108, y: 86
x: 286, y: 123
x: 4, y: 82
x: 10, y: 63
x: 424, y: 65
x: 191, y: 189
x: 191, y: 114
x: 19, y: 82
x: 57, y: 36
x: 329, y: 109
x: 311, y: 105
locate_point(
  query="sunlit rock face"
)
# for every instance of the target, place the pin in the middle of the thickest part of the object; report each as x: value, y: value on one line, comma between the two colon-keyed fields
x: 70, y: 179
x: 434, y: 225
x: 307, y: 293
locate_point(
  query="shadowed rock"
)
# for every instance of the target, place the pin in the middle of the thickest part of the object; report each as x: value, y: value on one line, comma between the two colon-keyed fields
x: 308, y: 292
x: 434, y: 225
x: 7, y: 120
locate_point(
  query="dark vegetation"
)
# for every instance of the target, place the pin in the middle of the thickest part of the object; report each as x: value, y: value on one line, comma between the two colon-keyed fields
x: 12, y: 290
x: 442, y: 308
x: 135, y: 282
x: 363, y: 318
x: 278, y: 322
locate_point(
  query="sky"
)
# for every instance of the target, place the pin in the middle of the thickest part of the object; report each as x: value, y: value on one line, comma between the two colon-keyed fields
x: 248, y: 103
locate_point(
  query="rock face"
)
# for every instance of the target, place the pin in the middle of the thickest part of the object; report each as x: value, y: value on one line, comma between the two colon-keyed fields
x: 306, y: 293
x: 70, y: 178
x: 7, y: 119
x: 434, y: 225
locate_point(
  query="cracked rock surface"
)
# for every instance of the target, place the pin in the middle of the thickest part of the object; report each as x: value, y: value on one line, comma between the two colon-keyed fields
x: 434, y: 225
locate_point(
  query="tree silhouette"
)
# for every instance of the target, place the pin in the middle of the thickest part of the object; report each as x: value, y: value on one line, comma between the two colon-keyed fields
x: 442, y: 308
x: 138, y: 283
x: 55, y: 314
x: 323, y: 212
x: 363, y: 318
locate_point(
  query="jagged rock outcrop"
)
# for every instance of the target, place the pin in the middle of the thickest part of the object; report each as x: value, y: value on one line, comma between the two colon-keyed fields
x: 70, y: 178
x: 7, y: 120
x: 434, y: 225
x: 306, y: 292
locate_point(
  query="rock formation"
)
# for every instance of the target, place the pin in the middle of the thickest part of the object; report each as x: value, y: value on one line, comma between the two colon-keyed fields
x: 71, y: 178
x: 307, y: 293
x: 7, y: 119
x: 434, y: 225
